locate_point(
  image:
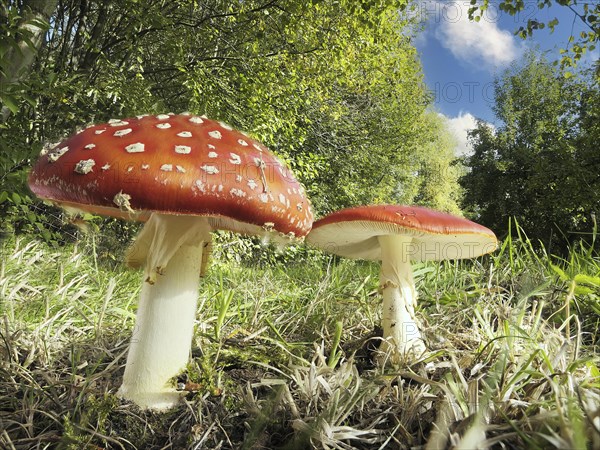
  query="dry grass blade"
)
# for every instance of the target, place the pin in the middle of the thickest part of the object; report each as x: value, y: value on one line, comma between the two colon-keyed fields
x: 287, y: 361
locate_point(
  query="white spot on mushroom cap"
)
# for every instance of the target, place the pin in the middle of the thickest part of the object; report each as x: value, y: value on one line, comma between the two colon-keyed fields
x: 106, y: 166
x: 196, y: 120
x: 252, y: 184
x: 212, y: 154
x: 99, y: 131
x: 122, y: 200
x: 242, y: 142
x: 90, y: 146
x: 163, y: 126
x: 238, y: 178
x: 122, y: 132
x: 180, y: 169
x: 46, y: 149
x: 138, y: 147
x: 235, y: 159
x: 237, y: 192
x: 166, y: 167
x: 185, y: 134
x: 210, y: 169
x: 264, y: 197
x: 183, y: 149
x: 257, y: 147
x: 260, y: 163
x: 145, y: 166
x: 163, y: 117
x: 224, y: 125
x: 216, y: 134
x: 57, y: 153
x: 117, y: 123
x: 85, y: 166
x: 200, y: 185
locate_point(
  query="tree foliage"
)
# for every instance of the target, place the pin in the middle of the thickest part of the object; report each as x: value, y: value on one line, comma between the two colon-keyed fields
x: 22, y: 30
x: 542, y: 165
x: 439, y: 170
x: 584, y: 11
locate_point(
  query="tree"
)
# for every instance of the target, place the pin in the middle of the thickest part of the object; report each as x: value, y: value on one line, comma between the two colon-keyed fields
x: 440, y: 169
x: 22, y: 26
x: 587, y: 13
x: 541, y: 166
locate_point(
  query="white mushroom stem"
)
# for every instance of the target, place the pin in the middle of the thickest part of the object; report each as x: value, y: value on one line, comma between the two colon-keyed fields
x: 402, y: 338
x: 170, y: 247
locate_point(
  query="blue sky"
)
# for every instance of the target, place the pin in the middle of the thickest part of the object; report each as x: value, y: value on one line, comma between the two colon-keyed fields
x: 461, y: 58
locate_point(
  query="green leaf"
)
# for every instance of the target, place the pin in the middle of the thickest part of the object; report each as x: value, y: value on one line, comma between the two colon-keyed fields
x: 587, y: 279
x: 10, y: 102
x: 583, y: 290
x: 594, y: 372
x: 561, y: 273
x: 16, y: 198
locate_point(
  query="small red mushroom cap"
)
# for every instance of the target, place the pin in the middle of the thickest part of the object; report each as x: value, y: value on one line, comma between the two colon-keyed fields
x: 174, y: 164
x: 354, y: 232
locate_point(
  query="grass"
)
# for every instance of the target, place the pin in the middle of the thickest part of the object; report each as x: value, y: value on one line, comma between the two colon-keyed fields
x: 282, y: 355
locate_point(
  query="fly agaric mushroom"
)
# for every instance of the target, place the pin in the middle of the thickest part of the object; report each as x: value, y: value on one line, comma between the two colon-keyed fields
x: 397, y: 235
x: 185, y: 176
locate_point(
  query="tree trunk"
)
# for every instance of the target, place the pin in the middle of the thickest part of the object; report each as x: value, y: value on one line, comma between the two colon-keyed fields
x: 19, y: 61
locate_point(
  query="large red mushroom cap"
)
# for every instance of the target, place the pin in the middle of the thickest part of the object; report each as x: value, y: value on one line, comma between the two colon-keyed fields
x: 354, y: 232
x: 174, y: 164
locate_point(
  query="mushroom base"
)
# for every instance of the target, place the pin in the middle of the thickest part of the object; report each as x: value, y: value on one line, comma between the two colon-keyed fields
x: 161, y: 342
x: 402, y: 338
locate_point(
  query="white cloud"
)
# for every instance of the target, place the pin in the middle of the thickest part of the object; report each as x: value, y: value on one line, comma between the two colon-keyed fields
x: 481, y: 43
x: 460, y: 126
